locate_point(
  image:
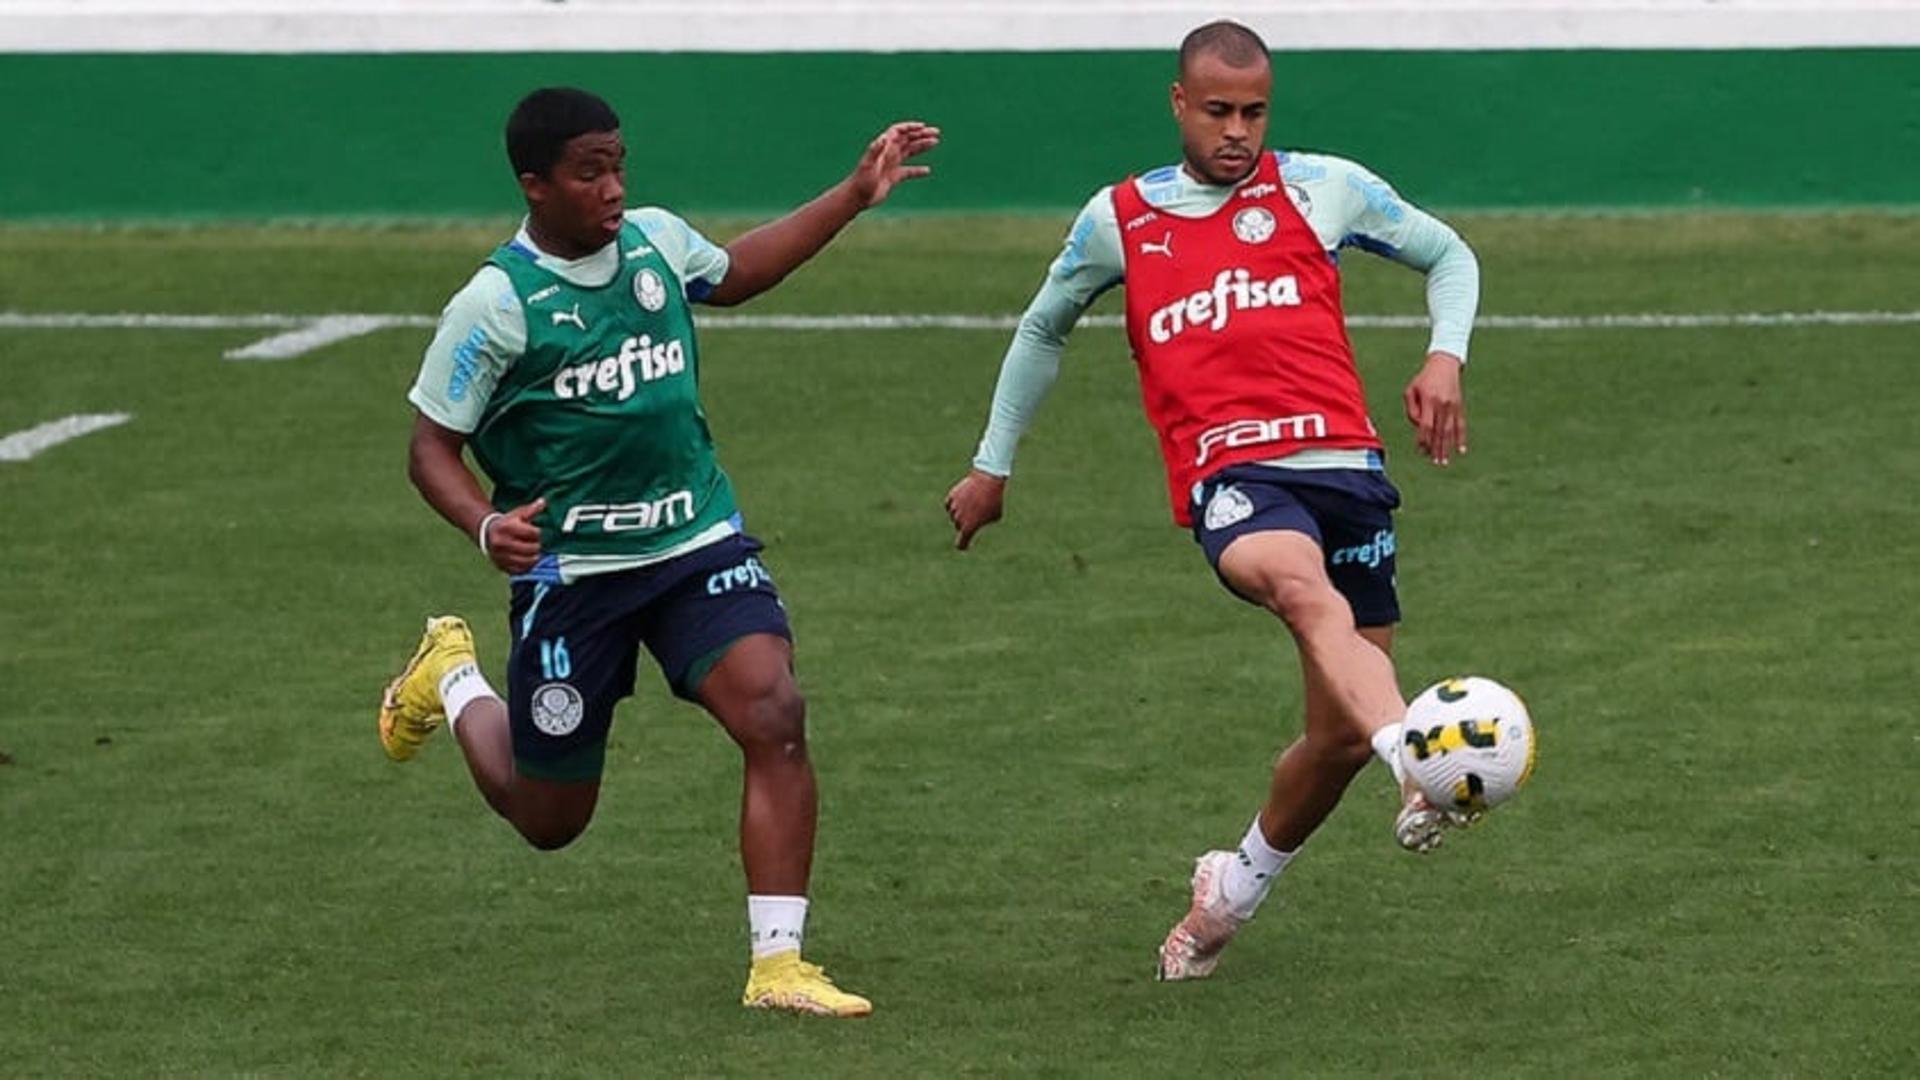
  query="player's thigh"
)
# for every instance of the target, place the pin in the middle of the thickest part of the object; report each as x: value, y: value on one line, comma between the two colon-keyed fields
x: 753, y: 694
x: 1279, y: 568
x: 722, y: 639
x: 572, y: 661
x: 1261, y: 539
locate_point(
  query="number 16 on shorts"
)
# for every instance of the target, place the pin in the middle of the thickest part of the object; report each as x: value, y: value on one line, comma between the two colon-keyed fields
x: 554, y: 661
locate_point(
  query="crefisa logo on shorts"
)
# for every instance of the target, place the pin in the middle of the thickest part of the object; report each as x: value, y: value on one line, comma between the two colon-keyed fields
x: 1370, y: 554
x: 649, y: 290
x: 1229, y: 506
x: 557, y: 708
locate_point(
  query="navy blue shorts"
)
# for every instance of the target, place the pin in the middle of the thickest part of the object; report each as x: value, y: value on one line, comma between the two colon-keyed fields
x: 1348, y: 512
x: 575, y: 646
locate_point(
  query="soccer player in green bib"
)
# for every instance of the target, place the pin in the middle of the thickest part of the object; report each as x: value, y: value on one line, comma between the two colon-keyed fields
x: 568, y: 366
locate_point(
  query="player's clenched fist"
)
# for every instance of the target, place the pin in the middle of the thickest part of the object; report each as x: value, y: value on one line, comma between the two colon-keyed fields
x: 511, y: 539
x: 974, y: 503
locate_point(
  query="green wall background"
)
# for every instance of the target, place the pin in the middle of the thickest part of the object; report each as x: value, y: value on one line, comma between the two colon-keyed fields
x: 247, y: 136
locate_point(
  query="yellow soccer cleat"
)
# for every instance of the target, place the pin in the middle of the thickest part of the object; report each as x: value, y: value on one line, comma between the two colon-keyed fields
x: 784, y: 981
x: 410, y: 710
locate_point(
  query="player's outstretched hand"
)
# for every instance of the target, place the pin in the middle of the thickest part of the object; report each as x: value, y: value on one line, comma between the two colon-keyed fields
x: 975, y: 503
x: 513, y: 540
x: 885, y: 162
x: 1437, y: 407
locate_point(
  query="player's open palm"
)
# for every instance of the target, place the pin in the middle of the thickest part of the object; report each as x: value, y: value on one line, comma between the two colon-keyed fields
x: 975, y: 503
x: 885, y: 162
x: 1436, y: 405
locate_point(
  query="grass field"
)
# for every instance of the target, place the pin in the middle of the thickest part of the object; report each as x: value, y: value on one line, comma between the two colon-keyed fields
x: 1691, y: 549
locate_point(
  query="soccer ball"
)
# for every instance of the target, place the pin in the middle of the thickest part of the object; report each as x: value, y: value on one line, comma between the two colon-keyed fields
x: 1468, y: 744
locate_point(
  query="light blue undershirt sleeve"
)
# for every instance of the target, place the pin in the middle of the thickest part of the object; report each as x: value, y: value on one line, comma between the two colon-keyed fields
x: 1380, y: 221
x: 1089, y: 263
x: 482, y: 332
x: 700, y: 262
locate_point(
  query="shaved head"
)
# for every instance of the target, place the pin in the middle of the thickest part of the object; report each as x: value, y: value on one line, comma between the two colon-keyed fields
x: 1220, y: 101
x: 1232, y: 43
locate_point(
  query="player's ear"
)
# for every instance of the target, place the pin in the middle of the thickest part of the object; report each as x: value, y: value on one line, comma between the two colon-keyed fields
x: 534, y: 187
x: 1177, y: 96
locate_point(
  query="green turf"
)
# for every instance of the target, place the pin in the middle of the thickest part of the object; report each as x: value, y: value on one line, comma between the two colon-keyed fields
x: 1690, y: 549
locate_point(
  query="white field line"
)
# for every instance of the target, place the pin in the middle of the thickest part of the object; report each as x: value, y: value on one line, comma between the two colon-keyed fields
x: 22, y: 445
x: 1647, y: 321
x: 304, y: 333
x: 516, y: 26
x: 320, y: 332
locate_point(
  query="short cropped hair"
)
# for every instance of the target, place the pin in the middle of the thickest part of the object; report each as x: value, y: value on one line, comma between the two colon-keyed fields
x: 538, y: 129
x: 1226, y: 39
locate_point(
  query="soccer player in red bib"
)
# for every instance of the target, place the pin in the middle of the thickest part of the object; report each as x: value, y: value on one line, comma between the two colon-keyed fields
x: 1233, y: 313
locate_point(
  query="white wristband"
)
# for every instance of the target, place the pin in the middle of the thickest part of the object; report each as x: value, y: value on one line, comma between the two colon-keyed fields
x: 480, y: 532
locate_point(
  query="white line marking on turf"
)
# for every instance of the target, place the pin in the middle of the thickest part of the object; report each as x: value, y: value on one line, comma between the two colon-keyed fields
x: 318, y: 333
x: 24, y: 320
x: 22, y: 445
x: 304, y: 333
x: 1648, y: 321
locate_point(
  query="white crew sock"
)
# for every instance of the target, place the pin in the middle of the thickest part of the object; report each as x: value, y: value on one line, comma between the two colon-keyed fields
x: 1252, y: 871
x: 777, y: 923
x: 461, y: 687
x: 1386, y: 745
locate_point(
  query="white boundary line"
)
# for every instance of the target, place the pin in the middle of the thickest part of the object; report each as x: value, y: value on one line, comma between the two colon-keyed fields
x: 310, y: 336
x: 301, y: 334
x: 23, y: 445
x: 652, y: 26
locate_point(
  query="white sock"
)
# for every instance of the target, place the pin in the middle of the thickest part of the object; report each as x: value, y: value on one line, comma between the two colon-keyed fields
x: 1250, y: 875
x: 777, y: 923
x: 460, y: 688
x: 1386, y: 745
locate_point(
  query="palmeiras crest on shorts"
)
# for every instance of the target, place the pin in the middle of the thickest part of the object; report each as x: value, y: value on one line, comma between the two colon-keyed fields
x: 649, y: 290
x: 1229, y: 506
x: 1302, y: 201
x: 557, y: 709
x: 1254, y: 225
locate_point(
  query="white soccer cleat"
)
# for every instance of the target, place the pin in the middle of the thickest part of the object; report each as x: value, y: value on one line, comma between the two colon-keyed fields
x: 1192, y: 948
x: 1422, y: 826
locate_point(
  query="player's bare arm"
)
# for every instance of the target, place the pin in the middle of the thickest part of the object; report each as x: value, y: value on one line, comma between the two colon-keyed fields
x: 761, y: 258
x: 1436, y: 406
x: 510, y: 539
x: 975, y: 503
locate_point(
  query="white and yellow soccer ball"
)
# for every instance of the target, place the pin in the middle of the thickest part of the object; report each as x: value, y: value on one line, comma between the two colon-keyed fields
x: 1468, y: 744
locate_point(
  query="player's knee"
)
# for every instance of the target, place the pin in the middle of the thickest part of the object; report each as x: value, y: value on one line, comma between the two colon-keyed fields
x: 552, y: 827
x: 552, y: 836
x: 775, y: 719
x: 1303, y: 603
x: 1342, y: 746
